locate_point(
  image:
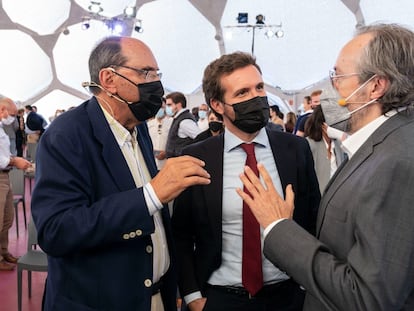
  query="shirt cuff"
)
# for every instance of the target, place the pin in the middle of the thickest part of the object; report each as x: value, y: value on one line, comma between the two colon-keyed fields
x: 153, y: 203
x: 191, y: 297
x: 270, y: 227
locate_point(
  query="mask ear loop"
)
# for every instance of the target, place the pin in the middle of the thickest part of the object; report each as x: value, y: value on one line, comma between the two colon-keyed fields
x: 88, y: 84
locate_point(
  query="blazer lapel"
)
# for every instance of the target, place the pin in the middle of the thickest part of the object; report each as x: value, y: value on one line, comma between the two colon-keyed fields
x: 110, y: 149
x: 212, y: 154
x: 285, y: 158
x: 346, y: 170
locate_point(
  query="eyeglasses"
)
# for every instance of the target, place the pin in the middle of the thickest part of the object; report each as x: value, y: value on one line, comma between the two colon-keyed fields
x: 149, y: 75
x: 333, y: 76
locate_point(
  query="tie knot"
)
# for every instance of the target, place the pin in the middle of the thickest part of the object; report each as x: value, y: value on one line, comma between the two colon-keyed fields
x: 248, y: 148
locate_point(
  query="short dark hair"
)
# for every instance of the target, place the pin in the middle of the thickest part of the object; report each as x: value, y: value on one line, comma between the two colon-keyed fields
x: 177, y: 97
x: 224, y: 65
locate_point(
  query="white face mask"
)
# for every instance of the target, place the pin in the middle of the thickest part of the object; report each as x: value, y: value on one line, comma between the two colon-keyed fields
x: 335, y: 111
x: 8, y: 120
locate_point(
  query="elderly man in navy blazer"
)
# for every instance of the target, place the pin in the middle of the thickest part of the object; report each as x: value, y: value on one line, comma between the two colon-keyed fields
x: 99, y: 204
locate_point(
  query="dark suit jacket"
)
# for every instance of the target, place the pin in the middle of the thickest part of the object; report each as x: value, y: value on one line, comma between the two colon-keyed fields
x: 364, y: 257
x: 92, y: 221
x: 197, y: 216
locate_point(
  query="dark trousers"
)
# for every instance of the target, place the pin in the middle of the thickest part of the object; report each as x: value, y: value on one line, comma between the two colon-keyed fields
x: 287, y: 297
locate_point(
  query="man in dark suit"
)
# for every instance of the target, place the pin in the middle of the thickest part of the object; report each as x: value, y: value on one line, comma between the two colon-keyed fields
x: 362, y: 257
x: 98, y: 203
x: 209, y: 221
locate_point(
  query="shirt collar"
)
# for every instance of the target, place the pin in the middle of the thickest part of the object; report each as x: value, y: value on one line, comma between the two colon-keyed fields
x: 122, y: 135
x: 231, y: 141
x: 353, y: 142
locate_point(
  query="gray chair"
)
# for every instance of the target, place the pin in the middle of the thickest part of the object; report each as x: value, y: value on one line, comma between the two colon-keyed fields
x: 34, y: 260
x: 31, y: 152
x: 17, y: 182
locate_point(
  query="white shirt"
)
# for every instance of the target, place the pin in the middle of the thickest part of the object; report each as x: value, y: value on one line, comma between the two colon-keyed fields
x: 158, y: 130
x: 4, y: 148
x: 234, y: 159
x: 187, y: 127
x: 203, y: 124
x: 135, y: 160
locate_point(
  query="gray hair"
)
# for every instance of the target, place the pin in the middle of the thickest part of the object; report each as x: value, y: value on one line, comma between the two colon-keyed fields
x: 107, y: 53
x: 390, y: 54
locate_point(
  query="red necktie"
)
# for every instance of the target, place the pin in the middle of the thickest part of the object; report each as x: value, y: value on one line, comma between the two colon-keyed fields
x: 252, y: 274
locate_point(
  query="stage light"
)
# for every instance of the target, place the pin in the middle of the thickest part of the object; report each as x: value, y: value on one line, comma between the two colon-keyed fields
x: 138, y: 26
x: 242, y: 18
x: 269, y: 33
x: 280, y: 33
x: 95, y: 7
x: 260, y: 19
x: 130, y: 12
x: 85, y: 23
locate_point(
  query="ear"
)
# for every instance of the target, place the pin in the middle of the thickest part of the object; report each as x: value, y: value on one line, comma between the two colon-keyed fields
x: 106, y: 78
x: 217, y: 106
x: 380, y: 86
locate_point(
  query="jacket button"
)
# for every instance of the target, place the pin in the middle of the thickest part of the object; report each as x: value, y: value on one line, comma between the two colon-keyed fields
x: 149, y: 249
x: 148, y: 283
x: 132, y: 235
x: 138, y: 232
x: 125, y: 236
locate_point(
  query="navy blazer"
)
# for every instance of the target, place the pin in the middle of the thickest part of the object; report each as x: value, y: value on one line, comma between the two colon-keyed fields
x: 197, y: 217
x: 91, y: 219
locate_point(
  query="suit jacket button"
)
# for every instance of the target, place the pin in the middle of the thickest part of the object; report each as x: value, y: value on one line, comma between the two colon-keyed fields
x: 148, y: 283
x: 138, y: 232
x: 149, y: 249
x: 125, y: 236
x: 132, y: 235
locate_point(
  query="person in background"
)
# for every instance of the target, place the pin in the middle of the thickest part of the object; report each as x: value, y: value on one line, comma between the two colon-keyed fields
x: 327, y: 152
x: 202, y: 117
x: 314, y: 101
x: 20, y: 133
x: 10, y: 130
x: 216, y: 271
x: 276, y: 119
x: 194, y: 112
x: 158, y: 128
x: 361, y: 257
x: 99, y: 202
x: 184, y: 129
x: 290, y: 122
x: 8, y: 112
x: 34, y: 124
x: 215, y: 126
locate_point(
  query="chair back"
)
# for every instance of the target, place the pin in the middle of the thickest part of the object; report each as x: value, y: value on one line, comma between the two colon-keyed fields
x: 32, y: 235
x: 17, y: 182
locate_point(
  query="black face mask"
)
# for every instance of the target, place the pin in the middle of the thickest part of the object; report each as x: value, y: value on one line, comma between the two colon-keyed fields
x: 150, y: 102
x: 251, y: 115
x: 215, y: 126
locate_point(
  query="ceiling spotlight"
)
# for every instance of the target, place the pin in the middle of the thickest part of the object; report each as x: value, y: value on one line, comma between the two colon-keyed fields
x: 115, y: 26
x: 260, y: 19
x: 138, y: 26
x: 280, y: 33
x: 85, y: 23
x: 242, y: 18
x: 95, y: 7
x: 66, y: 31
x: 130, y: 12
x: 270, y: 33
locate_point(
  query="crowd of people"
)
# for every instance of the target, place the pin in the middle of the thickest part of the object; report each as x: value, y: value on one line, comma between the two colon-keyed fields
x: 232, y: 205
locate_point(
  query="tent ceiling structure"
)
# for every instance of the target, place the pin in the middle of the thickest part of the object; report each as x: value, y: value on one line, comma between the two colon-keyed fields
x: 45, y: 48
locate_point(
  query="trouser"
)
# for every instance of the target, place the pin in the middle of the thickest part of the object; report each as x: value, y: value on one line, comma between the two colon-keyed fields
x: 6, y: 212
